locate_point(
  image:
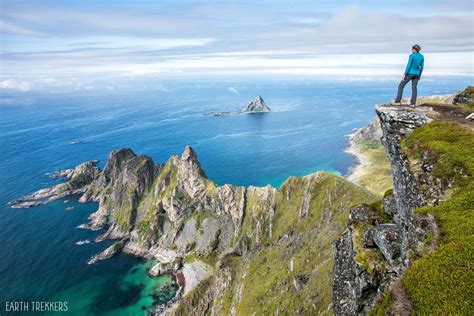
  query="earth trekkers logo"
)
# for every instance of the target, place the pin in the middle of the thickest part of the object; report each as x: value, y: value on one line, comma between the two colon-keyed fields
x: 35, y: 306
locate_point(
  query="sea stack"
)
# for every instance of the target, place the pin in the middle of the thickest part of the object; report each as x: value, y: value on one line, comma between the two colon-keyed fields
x: 257, y: 105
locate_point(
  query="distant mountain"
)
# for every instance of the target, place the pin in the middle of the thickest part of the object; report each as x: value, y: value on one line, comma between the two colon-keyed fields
x: 256, y: 105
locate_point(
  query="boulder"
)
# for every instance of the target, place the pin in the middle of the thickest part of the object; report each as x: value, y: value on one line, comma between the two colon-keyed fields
x: 360, y: 214
x: 387, y: 239
x: 464, y: 96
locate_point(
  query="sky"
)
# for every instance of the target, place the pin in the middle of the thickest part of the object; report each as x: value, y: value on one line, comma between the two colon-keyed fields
x: 52, y: 43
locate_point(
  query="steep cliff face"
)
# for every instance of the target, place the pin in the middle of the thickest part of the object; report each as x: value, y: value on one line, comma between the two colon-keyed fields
x: 396, y: 125
x: 376, y: 248
x: 386, y: 239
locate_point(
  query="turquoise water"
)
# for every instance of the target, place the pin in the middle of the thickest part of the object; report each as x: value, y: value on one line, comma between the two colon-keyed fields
x: 39, y: 257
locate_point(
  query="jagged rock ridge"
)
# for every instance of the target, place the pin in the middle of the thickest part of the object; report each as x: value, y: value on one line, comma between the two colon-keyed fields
x: 206, y: 233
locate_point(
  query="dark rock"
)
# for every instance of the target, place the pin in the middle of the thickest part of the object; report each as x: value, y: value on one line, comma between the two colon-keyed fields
x: 299, y: 281
x: 463, y: 97
x: 344, y: 295
x: 387, y: 239
x: 390, y: 205
x: 368, y: 238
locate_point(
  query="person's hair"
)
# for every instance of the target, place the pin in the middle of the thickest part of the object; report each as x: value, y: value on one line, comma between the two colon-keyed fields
x: 416, y: 47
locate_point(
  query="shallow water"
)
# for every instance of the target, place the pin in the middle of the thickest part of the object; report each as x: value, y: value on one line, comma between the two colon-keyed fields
x: 40, y: 260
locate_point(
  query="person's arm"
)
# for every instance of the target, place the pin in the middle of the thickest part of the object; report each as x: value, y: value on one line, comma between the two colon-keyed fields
x: 422, y: 64
x: 410, y: 61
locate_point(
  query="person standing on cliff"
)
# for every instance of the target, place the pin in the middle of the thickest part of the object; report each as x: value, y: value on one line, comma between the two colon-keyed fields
x: 413, y: 72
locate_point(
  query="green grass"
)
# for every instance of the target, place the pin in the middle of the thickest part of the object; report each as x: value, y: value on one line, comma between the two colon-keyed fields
x: 193, y: 298
x: 265, y: 275
x: 382, y: 307
x: 377, y: 175
x: 209, y: 258
x: 442, y: 283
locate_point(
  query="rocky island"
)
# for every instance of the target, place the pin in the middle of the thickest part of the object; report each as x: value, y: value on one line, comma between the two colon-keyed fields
x: 318, y: 244
x: 257, y: 105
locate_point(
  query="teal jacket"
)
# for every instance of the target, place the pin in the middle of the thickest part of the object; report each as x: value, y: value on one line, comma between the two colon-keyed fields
x: 415, y: 64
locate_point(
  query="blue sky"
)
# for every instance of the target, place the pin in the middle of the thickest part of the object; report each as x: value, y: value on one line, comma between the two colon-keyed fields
x: 45, y: 40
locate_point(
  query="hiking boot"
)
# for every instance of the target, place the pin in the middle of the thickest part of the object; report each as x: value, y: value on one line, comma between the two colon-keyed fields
x: 393, y: 102
x: 412, y: 105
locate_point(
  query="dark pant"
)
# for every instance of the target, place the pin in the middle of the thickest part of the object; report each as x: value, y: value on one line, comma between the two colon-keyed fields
x: 414, y: 81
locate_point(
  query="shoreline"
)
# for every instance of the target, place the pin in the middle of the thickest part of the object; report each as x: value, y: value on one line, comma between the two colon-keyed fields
x: 362, y: 161
x: 371, y: 169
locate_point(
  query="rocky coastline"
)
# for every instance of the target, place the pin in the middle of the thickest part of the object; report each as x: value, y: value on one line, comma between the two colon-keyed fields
x: 320, y: 241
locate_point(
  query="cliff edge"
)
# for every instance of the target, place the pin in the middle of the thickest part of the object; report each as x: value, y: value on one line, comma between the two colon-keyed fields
x: 417, y: 257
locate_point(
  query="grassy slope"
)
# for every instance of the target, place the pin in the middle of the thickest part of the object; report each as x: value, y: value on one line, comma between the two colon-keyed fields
x: 376, y: 175
x: 442, y: 283
x: 265, y: 276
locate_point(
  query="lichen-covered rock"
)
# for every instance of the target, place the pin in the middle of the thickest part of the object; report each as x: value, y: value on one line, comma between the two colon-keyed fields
x: 360, y: 214
x: 396, y: 124
x: 464, y: 97
x: 344, y: 296
x: 390, y: 205
x: 387, y: 239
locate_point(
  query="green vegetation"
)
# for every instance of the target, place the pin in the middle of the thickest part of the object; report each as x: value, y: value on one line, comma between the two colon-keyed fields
x: 266, y: 278
x: 123, y: 214
x: 194, y: 298
x: 211, y: 187
x: 210, y: 258
x: 79, y: 180
x: 367, y: 258
x: 378, y: 213
x: 376, y: 174
x: 382, y: 307
x: 441, y: 283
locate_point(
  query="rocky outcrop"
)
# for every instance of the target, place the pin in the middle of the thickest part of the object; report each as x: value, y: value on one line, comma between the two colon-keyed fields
x: 397, y: 124
x: 464, y: 97
x: 78, y: 178
x: 372, y: 131
x: 360, y: 275
x: 108, y: 253
x: 255, y: 106
x: 386, y: 238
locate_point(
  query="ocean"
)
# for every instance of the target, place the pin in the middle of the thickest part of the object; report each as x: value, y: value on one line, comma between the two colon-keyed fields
x: 41, y: 132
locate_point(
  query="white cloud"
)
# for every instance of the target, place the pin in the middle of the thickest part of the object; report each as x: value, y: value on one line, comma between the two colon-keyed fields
x: 233, y: 90
x: 15, y: 85
x: 15, y: 29
x: 217, y: 39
